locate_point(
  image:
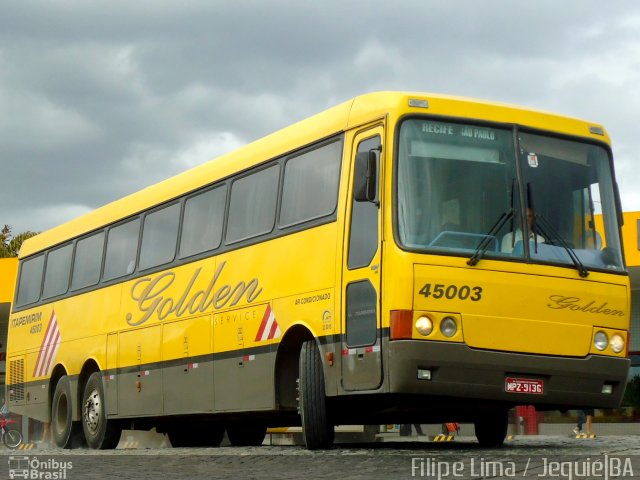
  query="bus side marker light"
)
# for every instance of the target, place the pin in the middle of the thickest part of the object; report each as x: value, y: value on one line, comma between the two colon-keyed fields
x: 607, y: 389
x: 424, y: 374
x: 416, y: 102
x: 329, y: 357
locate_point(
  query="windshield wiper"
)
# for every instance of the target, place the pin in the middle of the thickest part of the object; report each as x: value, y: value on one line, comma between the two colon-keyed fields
x: 489, y: 237
x: 547, y: 228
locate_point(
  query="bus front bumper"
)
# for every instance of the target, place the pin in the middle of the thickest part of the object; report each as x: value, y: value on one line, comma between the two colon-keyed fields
x: 456, y: 370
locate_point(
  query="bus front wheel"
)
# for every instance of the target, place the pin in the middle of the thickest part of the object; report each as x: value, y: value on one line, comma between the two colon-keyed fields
x: 317, y: 428
x: 99, y: 432
x: 491, y: 429
x: 65, y: 432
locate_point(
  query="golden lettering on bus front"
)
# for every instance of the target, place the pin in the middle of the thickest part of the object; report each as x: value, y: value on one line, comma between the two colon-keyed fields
x: 149, y: 293
x: 576, y: 304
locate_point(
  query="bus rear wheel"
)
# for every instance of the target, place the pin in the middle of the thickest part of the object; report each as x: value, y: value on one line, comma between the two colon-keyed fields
x: 65, y: 432
x: 246, y: 434
x: 99, y: 432
x: 491, y: 429
x: 317, y: 429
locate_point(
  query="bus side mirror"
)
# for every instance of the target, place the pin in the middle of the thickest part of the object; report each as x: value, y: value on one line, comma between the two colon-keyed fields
x: 366, y: 177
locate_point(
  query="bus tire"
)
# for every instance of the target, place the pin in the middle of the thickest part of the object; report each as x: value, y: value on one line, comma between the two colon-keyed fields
x: 195, y: 435
x: 100, y: 433
x: 491, y: 429
x: 317, y: 429
x: 65, y: 432
x: 246, y: 434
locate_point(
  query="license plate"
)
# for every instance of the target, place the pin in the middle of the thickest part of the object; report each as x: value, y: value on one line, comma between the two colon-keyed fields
x: 523, y: 385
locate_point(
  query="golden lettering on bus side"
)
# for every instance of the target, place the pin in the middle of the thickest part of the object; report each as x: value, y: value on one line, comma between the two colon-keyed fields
x: 148, y: 292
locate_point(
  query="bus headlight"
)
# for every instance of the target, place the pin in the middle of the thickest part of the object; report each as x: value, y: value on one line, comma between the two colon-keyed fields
x: 424, y: 325
x: 617, y: 343
x: 448, y: 327
x: 601, y: 340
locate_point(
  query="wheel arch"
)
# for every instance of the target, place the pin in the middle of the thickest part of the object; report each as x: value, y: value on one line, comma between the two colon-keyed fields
x: 286, y: 366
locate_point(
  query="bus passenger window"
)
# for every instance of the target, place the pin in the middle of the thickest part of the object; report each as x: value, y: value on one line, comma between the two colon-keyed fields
x: 122, y: 245
x: 56, y: 277
x: 310, y: 188
x: 252, y: 207
x: 203, y: 220
x: 88, y: 261
x: 159, y: 237
x: 30, y: 281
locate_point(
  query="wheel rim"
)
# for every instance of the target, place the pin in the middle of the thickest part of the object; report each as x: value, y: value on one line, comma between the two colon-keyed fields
x: 92, y: 411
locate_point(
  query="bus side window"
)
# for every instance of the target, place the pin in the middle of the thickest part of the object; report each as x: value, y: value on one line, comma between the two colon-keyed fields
x: 88, y: 261
x: 30, y: 282
x: 252, y: 208
x: 122, y: 246
x: 159, y: 237
x: 203, y: 221
x: 310, y: 188
x: 56, y: 277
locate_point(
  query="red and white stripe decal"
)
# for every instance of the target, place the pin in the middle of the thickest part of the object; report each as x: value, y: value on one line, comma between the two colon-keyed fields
x: 248, y: 358
x: 49, y: 347
x: 269, y: 328
x: 192, y: 365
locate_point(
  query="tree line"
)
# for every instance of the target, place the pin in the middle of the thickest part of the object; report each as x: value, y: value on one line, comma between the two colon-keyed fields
x: 10, y: 244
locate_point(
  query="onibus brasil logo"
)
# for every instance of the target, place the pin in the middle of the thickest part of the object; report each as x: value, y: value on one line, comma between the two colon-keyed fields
x: 34, y: 468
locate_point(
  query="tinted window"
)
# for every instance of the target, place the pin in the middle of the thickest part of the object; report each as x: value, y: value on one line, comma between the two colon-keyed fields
x: 30, y: 280
x: 310, y: 188
x: 363, y: 237
x: 88, y: 260
x: 122, y: 245
x: 159, y: 237
x: 56, y: 278
x: 253, y: 205
x: 362, y: 314
x: 203, y: 220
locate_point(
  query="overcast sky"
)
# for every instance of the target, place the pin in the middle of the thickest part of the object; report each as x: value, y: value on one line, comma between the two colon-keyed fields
x: 99, y: 99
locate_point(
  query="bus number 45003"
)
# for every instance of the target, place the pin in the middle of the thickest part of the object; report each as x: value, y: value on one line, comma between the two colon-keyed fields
x: 451, y: 292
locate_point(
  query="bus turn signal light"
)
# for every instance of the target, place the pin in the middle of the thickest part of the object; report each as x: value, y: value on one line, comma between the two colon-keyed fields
x: 401, y: 324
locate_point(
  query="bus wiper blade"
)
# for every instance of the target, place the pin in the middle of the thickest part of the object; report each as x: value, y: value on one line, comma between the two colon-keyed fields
x: 486, y: 241
x: 547, y: 228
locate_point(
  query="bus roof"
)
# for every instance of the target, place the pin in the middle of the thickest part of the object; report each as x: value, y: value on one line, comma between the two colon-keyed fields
x: 359, y: 110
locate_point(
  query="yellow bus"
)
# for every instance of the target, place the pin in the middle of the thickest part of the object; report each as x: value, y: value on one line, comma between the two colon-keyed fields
x: 399, y: 258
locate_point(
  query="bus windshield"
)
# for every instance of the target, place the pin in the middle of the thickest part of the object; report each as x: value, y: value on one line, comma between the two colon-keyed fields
x: 461, y: 187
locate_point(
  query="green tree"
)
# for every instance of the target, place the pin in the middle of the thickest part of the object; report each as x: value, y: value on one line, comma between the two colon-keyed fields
x: 10, y: 245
